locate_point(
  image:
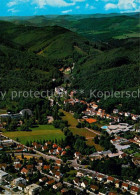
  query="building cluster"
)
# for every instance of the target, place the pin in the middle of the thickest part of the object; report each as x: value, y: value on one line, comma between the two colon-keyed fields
x: 51, y: 148
x: 94, y: 182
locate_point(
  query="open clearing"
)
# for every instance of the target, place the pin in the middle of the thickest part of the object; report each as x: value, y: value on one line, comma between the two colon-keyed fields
x: 42, y: 132
x: 81, y: 131
x: 2, y: 111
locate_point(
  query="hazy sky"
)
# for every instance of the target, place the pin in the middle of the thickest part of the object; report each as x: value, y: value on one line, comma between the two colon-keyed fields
x: 44, y: 7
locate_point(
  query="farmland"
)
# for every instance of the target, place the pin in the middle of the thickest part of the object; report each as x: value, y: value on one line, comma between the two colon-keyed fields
x: 42, y: 132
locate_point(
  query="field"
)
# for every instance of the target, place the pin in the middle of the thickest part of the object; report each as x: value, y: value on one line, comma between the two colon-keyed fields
x: 42, y: 132
x: 129, y: 35
x: 2, y: 111
x: 81, y: 131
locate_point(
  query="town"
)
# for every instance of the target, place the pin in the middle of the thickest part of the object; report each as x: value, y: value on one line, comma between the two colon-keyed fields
x: 70, y: 165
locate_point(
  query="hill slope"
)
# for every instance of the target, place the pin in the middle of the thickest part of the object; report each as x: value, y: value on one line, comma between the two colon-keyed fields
x: 115, y: 70
x: 95, y: 27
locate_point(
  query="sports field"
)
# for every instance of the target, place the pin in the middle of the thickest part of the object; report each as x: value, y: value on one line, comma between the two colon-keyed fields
x: 42, y: 132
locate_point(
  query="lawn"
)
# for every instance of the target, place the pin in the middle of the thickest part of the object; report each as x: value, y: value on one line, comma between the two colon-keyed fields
x: 42, y: 132
x: 80, y: 131
x: 137, y: 154
x: 2, y: 111
x: 69, y: 117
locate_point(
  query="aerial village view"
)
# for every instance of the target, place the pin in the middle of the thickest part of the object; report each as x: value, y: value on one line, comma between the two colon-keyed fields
x: 69, y: 97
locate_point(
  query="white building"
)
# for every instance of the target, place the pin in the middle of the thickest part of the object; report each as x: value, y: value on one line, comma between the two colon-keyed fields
x: 33, y: 189
x: 18, y: 181
x: 3, y: 175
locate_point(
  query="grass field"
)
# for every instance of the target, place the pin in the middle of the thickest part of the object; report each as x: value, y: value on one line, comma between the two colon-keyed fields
x: 42, y: 132
x: 69, y: 117
x: 81, y: 131
x: 129, y: 35
x: 2, y: 111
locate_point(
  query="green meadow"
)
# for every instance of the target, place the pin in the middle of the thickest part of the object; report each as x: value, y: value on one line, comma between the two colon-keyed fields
x: 42, y: 132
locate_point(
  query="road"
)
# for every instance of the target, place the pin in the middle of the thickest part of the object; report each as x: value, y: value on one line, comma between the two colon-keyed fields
x: 74, y: 162
x: 46, y: 157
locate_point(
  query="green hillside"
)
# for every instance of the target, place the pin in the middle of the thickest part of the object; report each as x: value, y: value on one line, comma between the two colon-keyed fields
x: 31, y: 56
x: 50, y: 41
x: 113, y: 70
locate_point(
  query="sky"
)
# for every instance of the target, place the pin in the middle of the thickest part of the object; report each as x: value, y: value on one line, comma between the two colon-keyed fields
x: 62, y: 7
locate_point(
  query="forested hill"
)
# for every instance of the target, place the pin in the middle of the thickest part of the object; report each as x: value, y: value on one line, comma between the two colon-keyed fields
x: 117, y: 69
x: 50, y: 41
x: 97, y: 27
x: 30, y: 57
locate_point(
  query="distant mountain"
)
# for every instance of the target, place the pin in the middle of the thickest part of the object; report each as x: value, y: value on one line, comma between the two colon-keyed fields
x: 95, y: 27
x: 49, y: 41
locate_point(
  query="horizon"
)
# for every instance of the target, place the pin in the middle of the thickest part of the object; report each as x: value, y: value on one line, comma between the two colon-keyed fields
x: 111, y: 13
x: 66, y: 7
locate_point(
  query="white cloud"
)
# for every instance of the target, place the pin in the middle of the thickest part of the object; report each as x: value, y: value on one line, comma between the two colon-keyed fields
x: 110, y: 6
x: 90, y: 6
x: 16, y: 2
x: 67, y: 11
x: 123, y: 5
x: 53, y: 3
x: 13, y: 10
x: 126, y: 4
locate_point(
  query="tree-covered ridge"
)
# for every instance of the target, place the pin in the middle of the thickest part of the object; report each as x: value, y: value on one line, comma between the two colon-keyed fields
x: 116, y: 69
x: 97, y: 27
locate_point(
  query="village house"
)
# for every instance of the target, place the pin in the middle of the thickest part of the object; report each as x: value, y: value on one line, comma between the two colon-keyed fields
x: 18, y: 181
x: 67, y: 147
x: 1, y: 147
x: 117, y: 183
x: 80, y: 174
x: 18, y: 166
x: 57, y: 186
x: 76, y: 181
x: 134, y: 117
x: 110, y: 179
x: 63, y: 153
x: 127, y: 114
x: 55, y: 146
x: 46, y: 167
x: 48, y: 143
x: 124, y: 186
x: 40, y: 162
x: 59, y: 149
x: 134, y: 190
x: 43, y: 179
x: 58, y: 162
x: 50, y: 119
x: 115, y: 111
x: 100, y: 177
x: 64, y: 190
x: 44, y: 148
x: 25, y: 171
x: 84, y: 184
x: 51, y: 151
x: 50, y: 182
x: 58, y: 175
x: 94, y: 188
x: 77, y: 155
